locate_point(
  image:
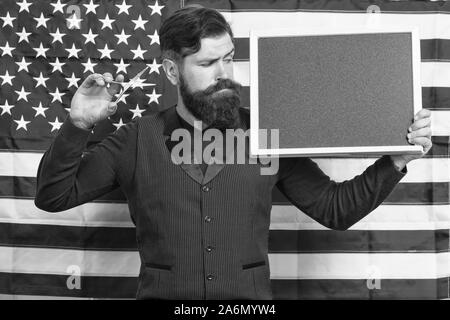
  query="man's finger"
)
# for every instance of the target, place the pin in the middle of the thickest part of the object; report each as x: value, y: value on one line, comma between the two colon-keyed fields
x: 422, y: 132
x: 422, y: 141
x: 424, y: 113
x: 115, y: 87
x: 112, y: 108
x: 91, y: 80
x: 421, y: 123
x: 107, y: 77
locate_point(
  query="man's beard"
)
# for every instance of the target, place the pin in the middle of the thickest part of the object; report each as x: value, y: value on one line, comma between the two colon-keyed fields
x: 218, y: 110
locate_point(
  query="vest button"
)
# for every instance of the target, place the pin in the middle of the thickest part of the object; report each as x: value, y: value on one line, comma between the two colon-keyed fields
x: 209, y: 248
x: 209, y: 277
x: 208, y: 219
x: 206, y: 189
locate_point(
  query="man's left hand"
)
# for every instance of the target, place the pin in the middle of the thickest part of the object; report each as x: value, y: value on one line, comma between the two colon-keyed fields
x: 419, y: 134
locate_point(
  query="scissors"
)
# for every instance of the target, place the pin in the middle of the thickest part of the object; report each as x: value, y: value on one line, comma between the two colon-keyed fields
x: 127, y: 85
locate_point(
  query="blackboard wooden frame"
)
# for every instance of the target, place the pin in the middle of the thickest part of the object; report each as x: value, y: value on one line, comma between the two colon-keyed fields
x: 255, y: 147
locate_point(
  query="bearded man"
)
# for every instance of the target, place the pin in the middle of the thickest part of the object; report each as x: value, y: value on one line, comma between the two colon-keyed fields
x: 201, y: 228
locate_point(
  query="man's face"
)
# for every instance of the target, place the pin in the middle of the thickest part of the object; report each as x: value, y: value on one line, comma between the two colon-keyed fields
x: 206, y: 83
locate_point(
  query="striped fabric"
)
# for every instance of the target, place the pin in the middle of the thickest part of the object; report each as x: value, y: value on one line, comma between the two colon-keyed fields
x: 400, y: 251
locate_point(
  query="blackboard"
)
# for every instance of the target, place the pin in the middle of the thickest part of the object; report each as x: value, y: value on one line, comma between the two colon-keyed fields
x: 335, y: 93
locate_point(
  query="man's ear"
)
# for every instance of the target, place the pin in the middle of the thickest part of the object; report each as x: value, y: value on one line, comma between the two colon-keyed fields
x: 172, y: 72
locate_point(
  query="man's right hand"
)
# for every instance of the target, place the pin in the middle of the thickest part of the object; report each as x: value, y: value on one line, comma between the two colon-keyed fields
x: 91, y: 103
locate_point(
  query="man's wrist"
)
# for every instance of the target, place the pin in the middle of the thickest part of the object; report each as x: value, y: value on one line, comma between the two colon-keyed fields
x: 80, y: 124
x: 399, y: 162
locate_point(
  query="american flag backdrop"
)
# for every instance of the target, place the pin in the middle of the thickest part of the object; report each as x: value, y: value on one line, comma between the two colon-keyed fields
x: 400, y: 251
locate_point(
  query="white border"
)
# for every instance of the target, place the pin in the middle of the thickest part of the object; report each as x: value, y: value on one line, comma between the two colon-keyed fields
x: 332, y: 30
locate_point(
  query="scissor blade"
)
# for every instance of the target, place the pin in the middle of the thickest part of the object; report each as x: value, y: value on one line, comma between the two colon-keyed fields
x: 131, y: 82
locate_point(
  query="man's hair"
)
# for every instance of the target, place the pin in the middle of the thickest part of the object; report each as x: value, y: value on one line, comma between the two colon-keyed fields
x: 181, y: 33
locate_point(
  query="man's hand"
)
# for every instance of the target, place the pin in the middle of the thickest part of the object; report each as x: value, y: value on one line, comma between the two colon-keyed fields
x: 91, y: 103
x: 419, y: 134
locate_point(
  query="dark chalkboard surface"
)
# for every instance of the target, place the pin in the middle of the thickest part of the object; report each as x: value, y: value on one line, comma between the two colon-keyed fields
x: 351, y: 92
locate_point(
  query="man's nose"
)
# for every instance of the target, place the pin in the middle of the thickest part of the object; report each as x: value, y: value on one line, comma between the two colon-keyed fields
x: 221, y: 72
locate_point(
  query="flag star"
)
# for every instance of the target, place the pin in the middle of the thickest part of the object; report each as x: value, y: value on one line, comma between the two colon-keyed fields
x: 56, y: 125
x: 90, y: 37
x: 106, y: 52
x: 118, y: 124
x: 7, y: 20
x: 41, y: 51
x: 122, y: 98
x: 23, y: 36
x: 137, y: 112
x: 73, y: 81
x: 156, y: 8
x: 57, y: 95
x: 123, y: 7
x: 24, y: 6
x: 154, y: 67
x: 91, y: 7
x: 107, y: 22
x: 6, y: 108
x: 7, y: 50
x: 6, y: 78
x: 74, y: 22
x: 57, y: 65
x: 138, y: 52
x: 40, y: 110
x: 21, y: 123
x: 41, y: 21
x: 23, y: 65
x: 153, y: 97
x: 139, y: 23
x: 140, y: 83
x: 122, y: 37
x: 73, y: 52
x: 154, y: 38
x: 40, y: 80
x: 89, y: 66
x: 121, y: 66
x: 58, y: 6
x: 22, y: 94
x: 57, y: 36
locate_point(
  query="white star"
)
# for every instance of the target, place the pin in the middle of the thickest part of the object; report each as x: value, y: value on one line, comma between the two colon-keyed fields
x: 138, y: 52
x: 22, y: 94
x: 56, y: 125
x: 7, y: 78
x: 154, y: 38
x: 106, y: 52
x: 153, y: 97
x: 24, y: 6
x: 154, y: 67
x: 121, y: 66
x: 122, y: 37
x: 57, y: 36
x: 23, y: 36
x: 57, y: 95
x: 57, y: 65
x: 7, y: 20
x: 137, y: 112
x: 107, y: 22
x: 73, y: 52
x: 90, y: 36
x: 40, y: 110
x: 58, y: 6
x: 156, y: 8
x: 74, y: 22
x: 6, y: 108
x: 41, y: 80
x: 89, y: 66
x: 122, y: 98
x: 41, y: 21
x: 140, y: 83
x: 41, y: 51
x: 91, y: 7
x: 73, y: 81
x: 118, y: 124
x: 21, y: 123
x: 139, y: 23
x: 7, y: 50
x: 23, y: 65
x: 123, y: 7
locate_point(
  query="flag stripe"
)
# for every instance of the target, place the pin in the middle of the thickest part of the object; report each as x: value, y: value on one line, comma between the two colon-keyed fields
x: 283, y: 217
x: 430, y: 49
x: 281, y: 241
x: 404, y: 193
x: 39, y: 286
x: 282, y: 266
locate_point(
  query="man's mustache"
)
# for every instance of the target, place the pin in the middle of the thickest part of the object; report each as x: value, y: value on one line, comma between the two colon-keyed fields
x: 223, y: 84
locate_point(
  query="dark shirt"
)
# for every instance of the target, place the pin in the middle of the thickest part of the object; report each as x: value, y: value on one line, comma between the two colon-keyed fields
x: 199, y: 236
